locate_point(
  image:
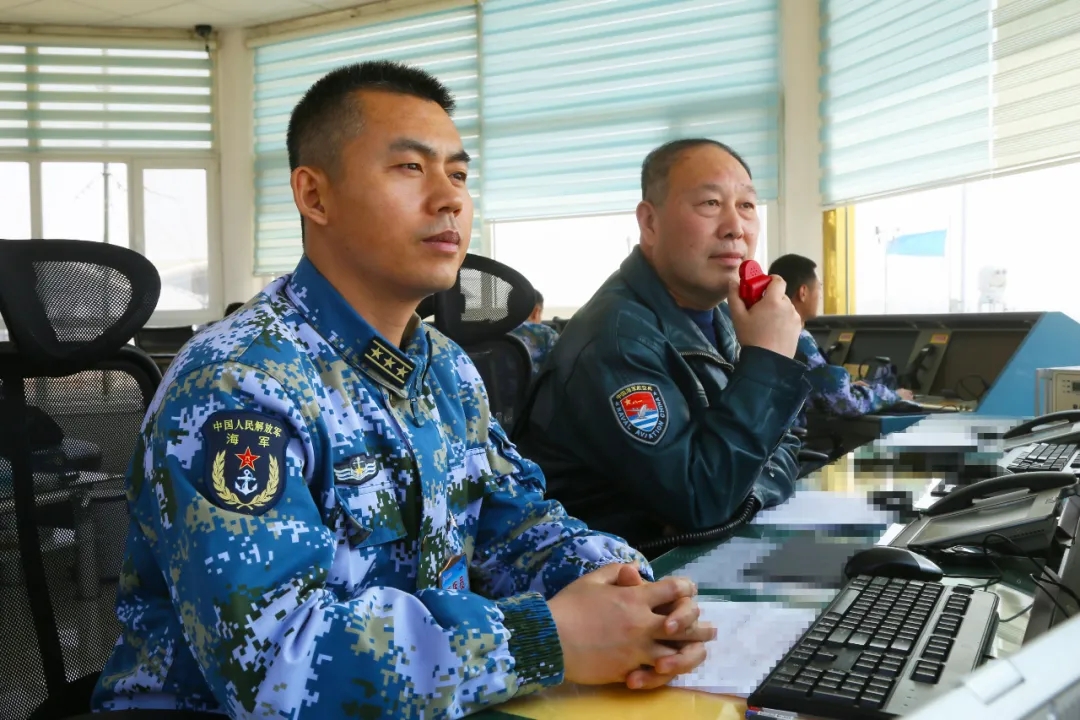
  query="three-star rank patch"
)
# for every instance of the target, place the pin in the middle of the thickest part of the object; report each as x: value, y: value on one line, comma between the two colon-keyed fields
x: 641, y: 412
x: 388, y: 364
x: 245, y: 461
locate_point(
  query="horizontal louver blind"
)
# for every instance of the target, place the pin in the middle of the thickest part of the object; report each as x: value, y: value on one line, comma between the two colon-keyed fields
x: 906, y: 95
x: 575, y: 94
x: 71, y: 96
x: 443, y: 43
x: 1036, y: 82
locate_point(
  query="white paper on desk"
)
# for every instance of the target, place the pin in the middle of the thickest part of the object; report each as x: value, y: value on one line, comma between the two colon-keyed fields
x: 820, y: 509
x: 751, y: 638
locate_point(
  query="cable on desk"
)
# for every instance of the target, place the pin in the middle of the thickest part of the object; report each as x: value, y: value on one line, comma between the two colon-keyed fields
x: 743, y: 515
x: 1019, y: 614
x: 974, y: 396
x: 1044, y: 572
x: 1050, y: 595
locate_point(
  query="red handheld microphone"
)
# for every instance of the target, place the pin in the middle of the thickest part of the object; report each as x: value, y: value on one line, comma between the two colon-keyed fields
x: 752, y: 282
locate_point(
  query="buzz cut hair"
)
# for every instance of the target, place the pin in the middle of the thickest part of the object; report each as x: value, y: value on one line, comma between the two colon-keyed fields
x: 656, y: 169
x: 330, y: 114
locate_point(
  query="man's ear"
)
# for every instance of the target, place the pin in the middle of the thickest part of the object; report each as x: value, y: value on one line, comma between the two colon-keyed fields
x: 804, y: 292
x: 646, y: 220
x: 310, y: 193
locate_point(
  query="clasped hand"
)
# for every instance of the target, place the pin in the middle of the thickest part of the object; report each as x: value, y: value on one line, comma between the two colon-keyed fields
x: 614, y: 626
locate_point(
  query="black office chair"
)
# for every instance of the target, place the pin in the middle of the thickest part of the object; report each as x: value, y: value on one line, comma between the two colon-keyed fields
x: 489, y: 300
x: 163, y: 343
x: 809, y: 460
x: 67, y: 374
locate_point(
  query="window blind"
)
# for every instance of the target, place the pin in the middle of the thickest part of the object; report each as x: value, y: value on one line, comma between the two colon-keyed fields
x: 55, y: 96
x: 575, y: 93
x: 444, y: 43
x: 906, y: 95
x: 1036, y: 82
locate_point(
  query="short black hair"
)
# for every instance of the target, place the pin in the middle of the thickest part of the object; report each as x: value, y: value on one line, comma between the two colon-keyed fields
x: 657, y: 165
x: 796, y: 271
x: 328, y: 114
x: 539, y: 298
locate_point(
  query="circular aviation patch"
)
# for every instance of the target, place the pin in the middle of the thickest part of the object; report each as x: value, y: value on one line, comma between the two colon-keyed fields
x: 641, y: 412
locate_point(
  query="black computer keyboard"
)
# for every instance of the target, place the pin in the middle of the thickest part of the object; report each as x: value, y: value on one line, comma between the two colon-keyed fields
x: 1045, y: 456
x: 881, y: 649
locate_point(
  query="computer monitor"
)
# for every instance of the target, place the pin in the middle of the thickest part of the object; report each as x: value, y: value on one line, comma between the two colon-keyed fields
x: 897, y: 345
x: 973, y: 360
x: 1039, y: 682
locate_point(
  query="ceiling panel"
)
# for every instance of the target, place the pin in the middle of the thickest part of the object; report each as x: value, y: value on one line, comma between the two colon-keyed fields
x: 164, y: 13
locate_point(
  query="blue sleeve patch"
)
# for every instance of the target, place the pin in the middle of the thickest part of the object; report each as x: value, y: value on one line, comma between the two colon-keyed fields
x: 245, y: 461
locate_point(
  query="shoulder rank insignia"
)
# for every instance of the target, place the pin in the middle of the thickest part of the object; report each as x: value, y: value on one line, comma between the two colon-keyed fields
x: 387, y: 364
x: 641, y: 412
x: 245, y: 456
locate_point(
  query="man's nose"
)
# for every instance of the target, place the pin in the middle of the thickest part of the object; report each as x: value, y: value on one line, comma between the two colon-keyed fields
x: 731, y: 224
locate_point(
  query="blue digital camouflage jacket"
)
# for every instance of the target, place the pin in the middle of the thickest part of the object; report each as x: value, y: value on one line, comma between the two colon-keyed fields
x: 326, y: 526
x: 539, y: 339
x: 832, y: 389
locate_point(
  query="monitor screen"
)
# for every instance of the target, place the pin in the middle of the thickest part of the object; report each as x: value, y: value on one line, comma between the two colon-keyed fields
x: 973, y: 360
x: 896, y: 345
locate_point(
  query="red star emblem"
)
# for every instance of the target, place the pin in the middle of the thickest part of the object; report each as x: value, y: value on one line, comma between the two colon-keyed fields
x: 247, y: 459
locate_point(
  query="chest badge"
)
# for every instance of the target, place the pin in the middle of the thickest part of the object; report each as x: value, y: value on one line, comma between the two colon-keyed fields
x: 356, y: 470
x: 641, y: 412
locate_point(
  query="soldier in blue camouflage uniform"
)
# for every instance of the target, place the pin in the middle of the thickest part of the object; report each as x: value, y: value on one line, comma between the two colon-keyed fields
x: 833, y: 391
x: 327, y: 522
x: 537, y: 337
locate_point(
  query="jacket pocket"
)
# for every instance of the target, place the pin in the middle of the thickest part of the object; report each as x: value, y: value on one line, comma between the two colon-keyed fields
x: 370, y: 514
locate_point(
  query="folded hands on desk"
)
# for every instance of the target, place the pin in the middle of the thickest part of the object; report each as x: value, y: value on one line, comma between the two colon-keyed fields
x: 615, y: 627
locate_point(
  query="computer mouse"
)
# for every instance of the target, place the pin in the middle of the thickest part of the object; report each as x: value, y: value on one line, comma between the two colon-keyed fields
x: 892, y: 562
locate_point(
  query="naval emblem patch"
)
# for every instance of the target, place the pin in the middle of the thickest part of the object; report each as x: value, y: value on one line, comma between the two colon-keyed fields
x: 245, y: 456
x: 641, y: 412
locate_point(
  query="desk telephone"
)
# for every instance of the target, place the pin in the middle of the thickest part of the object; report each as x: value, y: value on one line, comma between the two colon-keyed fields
x: 1060, y: 427
x: 1022, y: 507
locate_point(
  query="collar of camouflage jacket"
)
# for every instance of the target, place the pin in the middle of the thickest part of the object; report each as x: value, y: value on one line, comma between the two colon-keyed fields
x: 397, y: 369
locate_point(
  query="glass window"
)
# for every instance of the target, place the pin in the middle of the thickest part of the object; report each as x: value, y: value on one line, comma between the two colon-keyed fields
x: 1003, y: 244
x: 85, y: 201
x: 568, y: 259
x: 15, y: 189
x: 175, y: 233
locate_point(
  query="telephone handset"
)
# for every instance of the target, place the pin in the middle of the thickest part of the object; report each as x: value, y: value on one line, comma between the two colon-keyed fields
x: 965, y: 497
x: 910, y: 378
x: 1062, y: 417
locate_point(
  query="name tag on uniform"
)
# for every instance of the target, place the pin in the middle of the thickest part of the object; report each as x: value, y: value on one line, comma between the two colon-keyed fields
x: 455, y: 575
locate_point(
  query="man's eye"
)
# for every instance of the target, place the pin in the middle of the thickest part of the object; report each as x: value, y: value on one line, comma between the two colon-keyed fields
x: 460, y: 176
x: 412, y: 166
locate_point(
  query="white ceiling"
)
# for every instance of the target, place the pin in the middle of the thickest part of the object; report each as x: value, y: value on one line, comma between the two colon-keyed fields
x: 164, y: 13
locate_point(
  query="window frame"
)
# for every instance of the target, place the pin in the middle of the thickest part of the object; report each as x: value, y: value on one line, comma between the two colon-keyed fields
x: 136, y: 162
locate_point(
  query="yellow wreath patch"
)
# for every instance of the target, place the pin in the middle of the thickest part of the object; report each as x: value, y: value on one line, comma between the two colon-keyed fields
x: 231, y: 499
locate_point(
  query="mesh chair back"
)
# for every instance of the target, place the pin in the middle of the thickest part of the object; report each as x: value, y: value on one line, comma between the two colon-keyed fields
x: 506, y: 368
x: 69, y: 303
x: 488, y: 300
x: 72, y: 398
